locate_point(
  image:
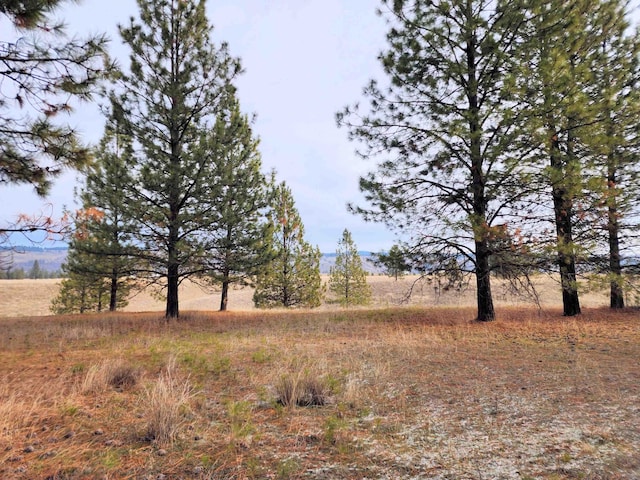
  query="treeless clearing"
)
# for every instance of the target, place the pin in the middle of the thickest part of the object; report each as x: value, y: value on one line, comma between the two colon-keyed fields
x: 406, y: 393
x: 33, y: 297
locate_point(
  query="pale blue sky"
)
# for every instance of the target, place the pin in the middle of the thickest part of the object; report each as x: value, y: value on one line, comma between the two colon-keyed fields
x: 304, y: 60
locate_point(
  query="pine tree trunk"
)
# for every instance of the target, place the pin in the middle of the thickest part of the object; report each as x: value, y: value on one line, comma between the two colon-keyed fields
x: 486, y: 311
x: 113, y: 298
x: 224, y: 296
x: 484, y: 298
x: 172, y: 310
x: 616, y: 295
x: 172, y: 292
x: 563, y: 211
x: 615, y: 267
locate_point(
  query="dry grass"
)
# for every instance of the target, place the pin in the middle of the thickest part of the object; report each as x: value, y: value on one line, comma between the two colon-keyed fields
x: 33, y: 297
x: 166, y: 403
x: 110, y: 373
x: 406, y: 393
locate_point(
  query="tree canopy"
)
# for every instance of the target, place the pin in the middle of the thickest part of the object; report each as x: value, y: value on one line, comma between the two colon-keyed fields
x: 292, y: 277
x: 41, y: 72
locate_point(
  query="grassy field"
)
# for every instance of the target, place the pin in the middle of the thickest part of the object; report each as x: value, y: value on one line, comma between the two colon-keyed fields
x: 384, y: 393
x: 33, y: 297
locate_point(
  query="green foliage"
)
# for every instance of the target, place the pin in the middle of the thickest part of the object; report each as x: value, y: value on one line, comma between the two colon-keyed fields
x: 348, y: 279
x: 239, y: 240
x: 443, y: 179
x: 96, y: 278
x: 101, y: 249
x: 395, y: 262
x: 510, y: 118
x: 292, y: 277
x: 240, y: 419
x: 178, y: 84
x: 44, y: 70
x: 79, y: 294
x: 35, y: 271
x: 574, y: 83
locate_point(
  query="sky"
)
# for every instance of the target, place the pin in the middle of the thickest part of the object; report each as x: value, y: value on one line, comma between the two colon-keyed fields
x: 304, y: 60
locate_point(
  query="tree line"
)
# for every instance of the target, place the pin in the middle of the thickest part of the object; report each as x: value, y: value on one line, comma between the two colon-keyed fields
x: 176, y: 190
x: 505, y: 136
x: 506, y: 140
x: 34, y: 273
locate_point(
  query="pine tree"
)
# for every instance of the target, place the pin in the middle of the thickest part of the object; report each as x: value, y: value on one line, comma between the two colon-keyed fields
x: 177, y: 86
x: 85, y: 287
x: 80, y: 294
x: 40, y: 74
x: 348, y: 280
x: 239, y: 244
x: 563, y: 110
x: 110, y: 254
x: 292, y: 277
x: 395, y: 262
x: 443, y: 131
x: 36, y: 272
x: 616, y: 140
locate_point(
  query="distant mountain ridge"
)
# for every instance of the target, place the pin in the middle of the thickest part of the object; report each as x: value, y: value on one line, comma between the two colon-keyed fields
x: 52, y: 258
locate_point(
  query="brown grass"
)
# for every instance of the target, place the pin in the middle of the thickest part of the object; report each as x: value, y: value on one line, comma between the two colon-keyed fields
x: 407, y: 393
x: 33, y: 297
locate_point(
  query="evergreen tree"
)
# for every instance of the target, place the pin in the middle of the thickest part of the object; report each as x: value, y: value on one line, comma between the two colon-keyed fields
x: 110, y: 253
x: 616, y: 139
x: 443, y: 127
x: 40, y: 74
x: 292, y: 277
x: 16, y: 274
x: 177, y: 85
x: 36, y: 272
x: 87, y: 285
x: 395, y: 262
x: 80, y: 294
x: 348, y: 279
x: 564, y: 109
x: 239, y: 244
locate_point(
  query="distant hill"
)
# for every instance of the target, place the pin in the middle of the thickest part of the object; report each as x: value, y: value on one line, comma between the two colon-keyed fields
x: 51, y: 259
x: 328, y: 260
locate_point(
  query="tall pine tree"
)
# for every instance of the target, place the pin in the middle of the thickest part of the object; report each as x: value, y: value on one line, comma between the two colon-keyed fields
x: 292, y: 277
x: 239, y: 244
x: 616, y: 141
x: 567, y: 79
x: 443, y: 130
x: 177, y: 85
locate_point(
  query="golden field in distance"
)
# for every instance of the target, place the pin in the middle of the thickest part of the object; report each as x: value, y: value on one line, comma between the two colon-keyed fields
x: 33, y: 297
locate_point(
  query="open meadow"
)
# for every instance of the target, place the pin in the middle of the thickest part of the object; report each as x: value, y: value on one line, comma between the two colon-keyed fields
x: 418, y: 392
x: 33, y: 297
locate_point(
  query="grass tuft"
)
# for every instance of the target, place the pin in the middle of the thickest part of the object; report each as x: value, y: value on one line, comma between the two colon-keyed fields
x: 110, y: 374
x: 301, y: 390
x: 165, y: 402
